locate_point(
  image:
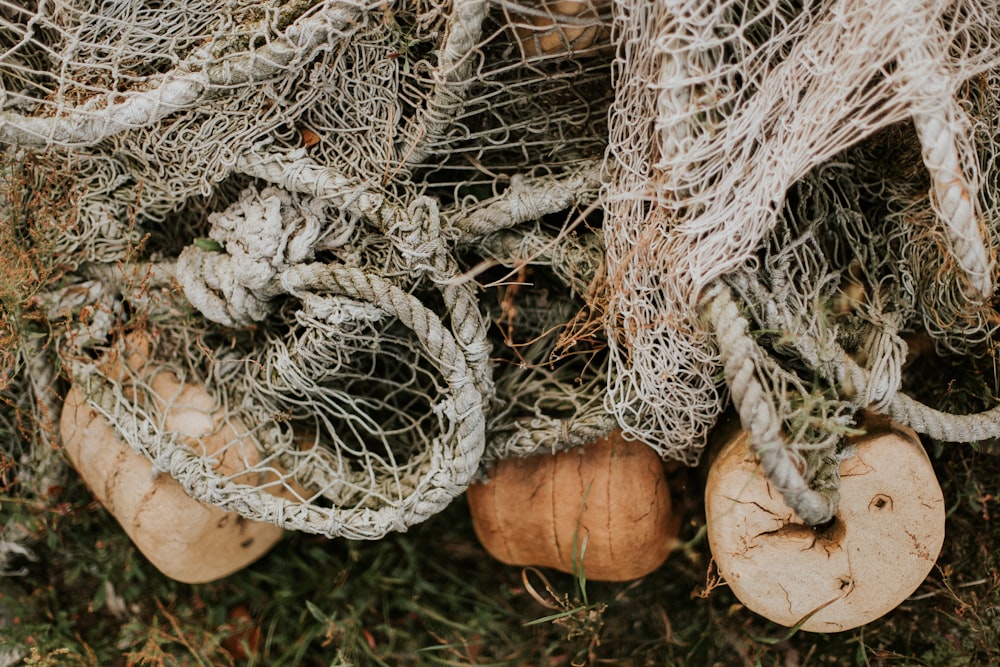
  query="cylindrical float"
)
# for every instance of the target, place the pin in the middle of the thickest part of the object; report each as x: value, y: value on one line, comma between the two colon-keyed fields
x: 604, y: 509
x: 880, y: 546
x: 185, y: 539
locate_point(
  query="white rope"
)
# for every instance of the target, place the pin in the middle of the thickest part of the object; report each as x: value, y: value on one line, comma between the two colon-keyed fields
x: 942, y: 127
x: 813, y: 504
x: 449, y: 462
x: 457, y: 63
x: 262, y: 234
x: 528, y: 199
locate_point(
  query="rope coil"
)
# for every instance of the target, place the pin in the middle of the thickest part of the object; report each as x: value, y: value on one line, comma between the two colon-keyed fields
x: 389, y: 500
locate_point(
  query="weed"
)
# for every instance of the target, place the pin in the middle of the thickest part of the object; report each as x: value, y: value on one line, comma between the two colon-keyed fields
x: 84, y: 596
x: 35, y: 210
x: 432, y: 596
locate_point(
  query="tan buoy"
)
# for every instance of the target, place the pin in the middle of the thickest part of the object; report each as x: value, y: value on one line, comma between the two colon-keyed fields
x: 185, y: 539
x: 880, y: 546
x: 561, y: 27
x: 609, y: 499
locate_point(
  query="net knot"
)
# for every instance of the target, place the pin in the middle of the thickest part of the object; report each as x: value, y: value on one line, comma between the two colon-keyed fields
x: 233, y: 277
x: 418, y: 238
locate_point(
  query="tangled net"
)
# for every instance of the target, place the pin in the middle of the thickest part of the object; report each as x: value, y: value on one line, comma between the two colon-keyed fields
x: 720, y: 216
x: 295, y: 201
x: 397, y: 243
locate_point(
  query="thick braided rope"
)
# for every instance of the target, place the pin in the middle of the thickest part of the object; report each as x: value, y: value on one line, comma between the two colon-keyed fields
x: 953, y: 192
x: 416, y: 232
x: 921, y: 417
x: 878, y: 388
x: 954, y: 197
x: 187, y: 86
x: 262, y: 233
x: 885, y: 351
x: 529, y: 199
x: 419, y: 237
x: 356, y: 284
x: 944, y: 426
x: 458, y: 60
x: 293, y: 171
x: 758, y: 416
x: 944, y: 131
x: 451, y: 465
x: 550, y: 434
x: 465, y: 382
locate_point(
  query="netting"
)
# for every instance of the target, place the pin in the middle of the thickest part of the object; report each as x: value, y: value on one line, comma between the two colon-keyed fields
x: 295, y: 200
x: 395, y: 243
x: 175, y: 96
x: 720, y: 109
x: 813, y: 330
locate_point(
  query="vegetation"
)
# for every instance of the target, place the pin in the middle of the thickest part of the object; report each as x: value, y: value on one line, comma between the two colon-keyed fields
x: 84, y: 596
x: 432, y: 596
x: 35, y: 210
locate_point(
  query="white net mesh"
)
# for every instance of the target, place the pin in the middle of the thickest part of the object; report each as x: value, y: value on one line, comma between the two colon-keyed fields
x: 720, y: 108
x: 388, y: 240
x: 294, y: 200
x: 176, y: 95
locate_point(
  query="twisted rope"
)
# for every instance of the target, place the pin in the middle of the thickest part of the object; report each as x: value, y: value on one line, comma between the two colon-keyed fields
x: 941, y: 123
x: 532, y: 435
x: 458, y: 60
x: 451, y: 461
x: 877, y: 387
x: 419, y: 237
x: 189, y: 84
x: 295, y: 172
x: 262, y: 234
x: 528, y: 199
x: 740, y: 355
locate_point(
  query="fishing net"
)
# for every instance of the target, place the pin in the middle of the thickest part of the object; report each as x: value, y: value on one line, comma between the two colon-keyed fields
x: 284, y: 215
x: 720, y: 109
x: 394, y: 244
x: 818, y: 327
x: 177, y: 98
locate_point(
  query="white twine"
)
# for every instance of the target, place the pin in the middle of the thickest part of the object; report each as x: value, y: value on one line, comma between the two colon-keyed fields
x: 457, y: 61
x: 711, y: 127
x: 449, y: 462
x: 262, y: 234
x: 191, y: 83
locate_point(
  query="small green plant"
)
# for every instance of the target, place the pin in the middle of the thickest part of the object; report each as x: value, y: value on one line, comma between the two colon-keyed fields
x: 575, y: 614
x: 432, y: 596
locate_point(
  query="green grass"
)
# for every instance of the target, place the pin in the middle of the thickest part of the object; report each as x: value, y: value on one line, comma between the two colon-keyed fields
x: 432, y: 596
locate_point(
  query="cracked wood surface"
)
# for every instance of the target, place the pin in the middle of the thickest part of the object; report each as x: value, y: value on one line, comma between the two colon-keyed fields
x: 880, y: 546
